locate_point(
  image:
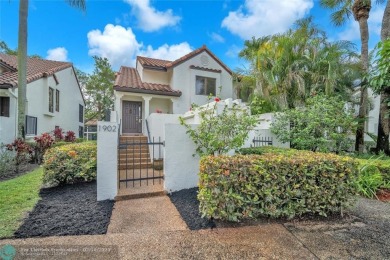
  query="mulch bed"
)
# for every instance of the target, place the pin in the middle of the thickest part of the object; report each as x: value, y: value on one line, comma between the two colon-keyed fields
x: 23, y: 170
x: 67, y: 210
x: 187, y: 204
x: 383, y: 195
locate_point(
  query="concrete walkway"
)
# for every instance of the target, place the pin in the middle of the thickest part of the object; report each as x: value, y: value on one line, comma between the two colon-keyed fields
x: 155, y: 231
x: 154, y: 214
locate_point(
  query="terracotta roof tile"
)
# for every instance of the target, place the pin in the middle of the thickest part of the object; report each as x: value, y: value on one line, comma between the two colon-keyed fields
x: 128, y: 80
x: 36, y: 69
x: 151, y: 62
x: 165, y: 64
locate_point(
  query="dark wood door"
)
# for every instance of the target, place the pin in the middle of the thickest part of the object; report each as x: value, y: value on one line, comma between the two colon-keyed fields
x: 131, y: 117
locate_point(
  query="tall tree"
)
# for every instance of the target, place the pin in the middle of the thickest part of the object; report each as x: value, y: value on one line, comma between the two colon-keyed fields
x: 22, y: 59
x: 290, y: 67
x: 99, y: 92
x: 360, y: 9
x: 384, y: 91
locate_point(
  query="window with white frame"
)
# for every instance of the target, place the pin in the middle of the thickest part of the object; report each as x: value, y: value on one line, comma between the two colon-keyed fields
x: 205, y: 86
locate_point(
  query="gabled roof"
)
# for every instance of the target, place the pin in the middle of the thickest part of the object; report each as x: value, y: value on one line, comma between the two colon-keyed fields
x: 128, y: 80
x: 165, y: 64
x: 36, y: 69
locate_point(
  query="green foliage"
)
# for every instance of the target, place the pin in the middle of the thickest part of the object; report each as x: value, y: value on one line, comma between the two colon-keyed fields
x: 370, y: 180
x: 7, y: 161
x: 266, y: 149
x: 289, y: 67
x: 260, y: 105
x: 18, y: 196
x: 98, y: 89
x: 70, y: 163
x: 220, y: 132
x: 380, y: 79
x: 275, y: 185
x: 323, y: 125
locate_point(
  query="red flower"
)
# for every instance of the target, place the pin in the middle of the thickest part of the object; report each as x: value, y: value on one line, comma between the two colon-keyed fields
x: 217, y: 99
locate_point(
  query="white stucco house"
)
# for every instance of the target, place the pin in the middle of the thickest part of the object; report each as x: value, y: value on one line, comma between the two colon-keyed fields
x: 168, y: 87
x: 54, y: 98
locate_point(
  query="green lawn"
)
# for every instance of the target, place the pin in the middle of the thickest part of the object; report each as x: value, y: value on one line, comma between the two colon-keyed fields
x: 18, y: 196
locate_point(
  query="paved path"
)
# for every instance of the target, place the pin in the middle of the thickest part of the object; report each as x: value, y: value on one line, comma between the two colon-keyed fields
x: 365, y: 235
x: 154, y: 214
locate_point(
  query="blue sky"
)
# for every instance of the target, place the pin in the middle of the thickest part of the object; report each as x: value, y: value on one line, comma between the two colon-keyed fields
x: 166, y: 29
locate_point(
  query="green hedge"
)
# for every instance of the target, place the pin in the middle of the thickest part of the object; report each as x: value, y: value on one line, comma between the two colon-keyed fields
x: 267, y: 149
x: 70, y: 163
x: 275, y: 185
x: 383, y: 166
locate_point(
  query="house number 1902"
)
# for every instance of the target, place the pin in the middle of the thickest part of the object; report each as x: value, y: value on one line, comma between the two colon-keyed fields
x: 107, y: 128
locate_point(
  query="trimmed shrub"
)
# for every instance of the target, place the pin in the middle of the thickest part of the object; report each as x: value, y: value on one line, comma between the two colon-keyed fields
x: 274, y: 185
x: 70, y: 164
x: 267, y: 149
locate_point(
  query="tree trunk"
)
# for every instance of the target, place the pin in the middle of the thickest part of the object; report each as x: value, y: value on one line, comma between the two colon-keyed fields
x: 383, y: 126
x: 363, y: 26
x: 22, y: 67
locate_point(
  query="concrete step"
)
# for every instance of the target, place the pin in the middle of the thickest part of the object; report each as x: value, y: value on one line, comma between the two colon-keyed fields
x: 135, y: 160
x: 133, y: 139
x: 131, y: 166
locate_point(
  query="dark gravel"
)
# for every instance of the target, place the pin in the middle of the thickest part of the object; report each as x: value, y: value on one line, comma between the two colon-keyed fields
x: 187, y: 204
x: 67, y: 210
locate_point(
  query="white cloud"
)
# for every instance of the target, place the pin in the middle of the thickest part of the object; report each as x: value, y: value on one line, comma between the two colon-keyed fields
x: 120, y: 46
x: 149, y: 18
x: 166, y: 52
x: 116, y: 43
x: 233, y: 51
x: 260, y: 18
x: 352, y: 31
x: 58, y: 54
x: 217, y: 37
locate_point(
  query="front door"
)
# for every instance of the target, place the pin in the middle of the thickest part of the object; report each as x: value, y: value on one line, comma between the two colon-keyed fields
x: 131, y: 117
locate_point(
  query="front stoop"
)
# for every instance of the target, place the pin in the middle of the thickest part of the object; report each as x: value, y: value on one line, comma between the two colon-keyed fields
x: 140, y: 192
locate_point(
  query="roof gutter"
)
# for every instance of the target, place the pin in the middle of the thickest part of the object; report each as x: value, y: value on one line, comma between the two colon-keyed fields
x: 145, y: 91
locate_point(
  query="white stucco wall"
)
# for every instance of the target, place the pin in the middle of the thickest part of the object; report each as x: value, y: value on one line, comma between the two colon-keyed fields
x: 373, y: 115
x: 180, y: 167
x: 165, y: 105
x: 154, y: 76
x: 70, y: 99
x: 107, y: 161
x: 183, y: 79
x: 8, y: 125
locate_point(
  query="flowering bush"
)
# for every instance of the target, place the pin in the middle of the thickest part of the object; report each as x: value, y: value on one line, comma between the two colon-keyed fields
x: 70, y: 164
x: 220, y: 132
x: 23, y: 151
x: 70, y: 136
x: 42, y: 143
x: 58, y: 134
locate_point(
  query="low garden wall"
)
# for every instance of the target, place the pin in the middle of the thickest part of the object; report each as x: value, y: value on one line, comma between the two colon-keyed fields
x: 275, y: 184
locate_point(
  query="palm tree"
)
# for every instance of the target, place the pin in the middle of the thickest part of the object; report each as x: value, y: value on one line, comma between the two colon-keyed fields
x: 22, y: 59
x: 360, y: 9
x: 383, y: 126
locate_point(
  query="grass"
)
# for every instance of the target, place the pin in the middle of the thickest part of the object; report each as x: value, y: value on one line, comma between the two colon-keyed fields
x: 17, y: 197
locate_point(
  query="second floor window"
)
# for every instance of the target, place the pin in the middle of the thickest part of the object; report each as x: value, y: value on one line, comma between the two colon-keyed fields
x: 57, y: 100
x: 81, y: 114
x: 205, y: 86
x: 51, y: 99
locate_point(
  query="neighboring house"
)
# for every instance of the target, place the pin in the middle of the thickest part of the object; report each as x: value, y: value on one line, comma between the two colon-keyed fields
x: 371, y: 124
x: 54, y: 98
x: 90, y: 130
x: 169, y: 87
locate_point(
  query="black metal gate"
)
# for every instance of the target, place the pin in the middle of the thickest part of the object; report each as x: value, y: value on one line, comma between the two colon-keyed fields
x: 140, y: 161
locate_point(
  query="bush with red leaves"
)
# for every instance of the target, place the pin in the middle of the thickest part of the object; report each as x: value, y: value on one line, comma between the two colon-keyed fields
x: 58, y: 134
x: 42, y: 143
x: 70, y: 136
x: 23, y: 151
